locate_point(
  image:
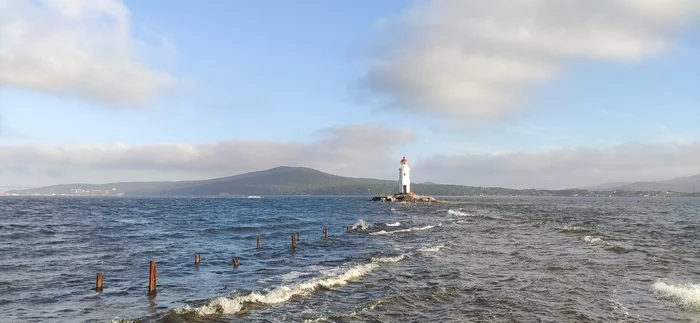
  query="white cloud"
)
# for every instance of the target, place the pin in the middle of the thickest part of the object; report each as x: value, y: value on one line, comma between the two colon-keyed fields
x: 564, y: 168
x: 347, y: 150
x: 80, y: 48
x: 479, y: 58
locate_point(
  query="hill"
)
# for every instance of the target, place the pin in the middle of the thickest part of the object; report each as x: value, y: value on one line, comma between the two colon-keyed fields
x: 298, y: 181
x: 687, y: 184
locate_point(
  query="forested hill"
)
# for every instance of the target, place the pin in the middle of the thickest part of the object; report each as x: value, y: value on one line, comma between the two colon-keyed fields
x: 283, y: 181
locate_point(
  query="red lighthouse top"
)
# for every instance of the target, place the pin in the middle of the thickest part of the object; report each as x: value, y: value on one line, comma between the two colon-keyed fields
x: 404, y: 160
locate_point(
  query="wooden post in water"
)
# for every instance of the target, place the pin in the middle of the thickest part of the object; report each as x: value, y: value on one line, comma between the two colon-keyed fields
x: 152, y: 278
x: 347, y: 229
x: 235, y: 262
x: 325, y: 232
x: 294, y: 242
x: 98, y: 284
x: 298, y: 236
x: 196, y: 259
x: 258, y: 242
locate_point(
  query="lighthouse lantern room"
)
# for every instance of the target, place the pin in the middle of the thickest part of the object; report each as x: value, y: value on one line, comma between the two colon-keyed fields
x: 404, y: 177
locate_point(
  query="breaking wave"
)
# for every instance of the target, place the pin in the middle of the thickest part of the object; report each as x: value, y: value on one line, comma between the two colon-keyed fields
x: 395, y: 224
x: 592, y: 240
x: 383, y: 232
x: 431, y: 249
x: 360, y: 224
x: 571, y: 229
x: 280, y: 294
x: 685, y: 295
x: 234, y: 304
x: 390, y: 259
x: 457, y: 213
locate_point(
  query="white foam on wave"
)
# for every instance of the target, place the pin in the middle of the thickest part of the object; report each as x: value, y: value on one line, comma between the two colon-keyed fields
x: 431, y: 249
x: 360, y: 224
x: 685, y: 295
x: 280, y: 294
x: 592, y: 240
x: 383, y: 232
x: 395, y: 224
x: 390, y: 259
x: 571, y: 229
x: 457, y: 213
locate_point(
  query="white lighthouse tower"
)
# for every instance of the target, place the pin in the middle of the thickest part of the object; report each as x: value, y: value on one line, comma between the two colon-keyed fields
x: 404, y: 177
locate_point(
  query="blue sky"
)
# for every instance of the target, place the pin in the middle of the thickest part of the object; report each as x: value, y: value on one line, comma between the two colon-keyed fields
x: 295, y: 74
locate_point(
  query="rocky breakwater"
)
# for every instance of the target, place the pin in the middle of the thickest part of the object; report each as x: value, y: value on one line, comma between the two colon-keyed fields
x: 413, y: 198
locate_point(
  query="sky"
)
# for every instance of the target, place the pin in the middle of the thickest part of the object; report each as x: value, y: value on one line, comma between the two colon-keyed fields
x: 521, y: 94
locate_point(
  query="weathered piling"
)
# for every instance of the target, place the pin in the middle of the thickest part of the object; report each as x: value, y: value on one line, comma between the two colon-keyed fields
x: 298, y: 236
x: 258, y: 242
x: 152, y: 273
x: 325, y: 232
x: 196, y: 259
x: 347, y: 229
x: 98, y: 284
x: 294, y: 242
x: 235, y: 262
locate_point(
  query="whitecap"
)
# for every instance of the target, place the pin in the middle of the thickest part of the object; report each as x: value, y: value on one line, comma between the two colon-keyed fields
x: 431, y: 249
x: 570, y: 229
x: 383, y: 232
x: 390, y: 259
x: 685, y: 295
x: 457, y: 213
x: 361, y: 224
x: 592, y: 240
x: 280, y: 294
x: 395, y: 224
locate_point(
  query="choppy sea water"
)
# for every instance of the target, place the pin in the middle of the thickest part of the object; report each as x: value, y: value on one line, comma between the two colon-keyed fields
x: 475, y: 259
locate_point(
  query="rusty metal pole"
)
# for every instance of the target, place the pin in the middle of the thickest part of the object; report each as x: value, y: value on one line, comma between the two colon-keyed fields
x: 325, y: 232
x: 98, y: 284
x: 152, y: 273
x: 196, y: 259
x: 235, y: 262
x: 294, y: 242
x: 258, y: 242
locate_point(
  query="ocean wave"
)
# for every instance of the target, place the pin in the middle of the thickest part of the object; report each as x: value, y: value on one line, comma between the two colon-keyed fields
x: 685, y: 295
x: 383, y: 232
x: 390, y: 259
x: 431, y: 249
x: 292, y: 275
x: 360, y: 224
x: 592, y: 240
x: 395, y: 224
x: 457, y: 213
x: 571, y: 229
x: 280, y: 294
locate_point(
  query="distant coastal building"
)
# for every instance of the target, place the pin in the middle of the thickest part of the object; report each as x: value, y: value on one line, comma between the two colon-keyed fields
x: 404, y: 177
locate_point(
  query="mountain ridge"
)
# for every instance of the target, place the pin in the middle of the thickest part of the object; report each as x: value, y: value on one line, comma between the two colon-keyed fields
x: 288, y: 180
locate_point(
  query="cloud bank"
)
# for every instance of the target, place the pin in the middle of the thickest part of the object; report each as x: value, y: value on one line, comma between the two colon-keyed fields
x: 565, y: 168
x: 480, y: 58
x: 357, y: 151
x: 345, y: 150
x: 77, y: 48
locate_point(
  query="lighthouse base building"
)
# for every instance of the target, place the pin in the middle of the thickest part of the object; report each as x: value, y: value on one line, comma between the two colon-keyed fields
x: 404, y: 193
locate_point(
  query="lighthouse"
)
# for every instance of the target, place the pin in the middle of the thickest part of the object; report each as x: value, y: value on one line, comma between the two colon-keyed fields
x: 404, y: 177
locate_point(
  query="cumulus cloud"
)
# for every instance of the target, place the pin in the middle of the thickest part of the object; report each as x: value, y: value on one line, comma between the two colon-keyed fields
x: 480, y: 58
x: 79, y: 48
x: 345, y: 150
x: 564, y: 168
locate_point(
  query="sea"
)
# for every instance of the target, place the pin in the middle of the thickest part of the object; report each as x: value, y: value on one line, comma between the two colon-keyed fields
x: 471, y: 259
